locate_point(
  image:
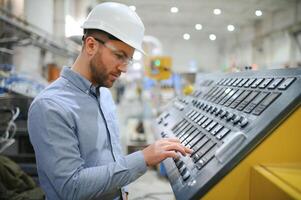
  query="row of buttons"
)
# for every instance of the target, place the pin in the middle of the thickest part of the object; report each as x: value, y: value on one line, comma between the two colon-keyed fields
x: 203, y: 147
x: 260, y: 82
x: 242, y: 100
x: 223, y: 114
x: 182, y: 169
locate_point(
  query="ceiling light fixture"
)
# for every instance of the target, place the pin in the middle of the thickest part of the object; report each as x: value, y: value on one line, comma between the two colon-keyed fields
x: 230, y: 27
x: 133, y: 8
x: 174, y: 9
x: 186, y: 36
x: 258, y: 13
x: 217, y: 11
x: 198, y: 27
x: 212, y: 37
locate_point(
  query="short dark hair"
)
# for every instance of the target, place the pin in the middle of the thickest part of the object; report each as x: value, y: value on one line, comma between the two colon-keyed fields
x: 89, y: 32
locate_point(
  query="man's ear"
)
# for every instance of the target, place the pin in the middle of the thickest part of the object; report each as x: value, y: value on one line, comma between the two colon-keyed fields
x: 90, y: 46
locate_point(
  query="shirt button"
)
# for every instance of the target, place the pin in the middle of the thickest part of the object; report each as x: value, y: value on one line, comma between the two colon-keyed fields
x: 87, y: 91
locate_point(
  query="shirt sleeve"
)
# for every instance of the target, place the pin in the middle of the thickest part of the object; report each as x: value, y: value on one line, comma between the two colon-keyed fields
x: 53, y: 135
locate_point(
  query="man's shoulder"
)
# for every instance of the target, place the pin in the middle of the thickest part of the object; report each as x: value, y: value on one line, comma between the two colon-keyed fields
x: 52, y: 93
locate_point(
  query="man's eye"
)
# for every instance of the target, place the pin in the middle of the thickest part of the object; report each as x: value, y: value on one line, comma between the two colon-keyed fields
x: 119, y: 56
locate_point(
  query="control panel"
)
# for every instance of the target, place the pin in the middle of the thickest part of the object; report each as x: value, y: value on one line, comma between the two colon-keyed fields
x: 225, y: 118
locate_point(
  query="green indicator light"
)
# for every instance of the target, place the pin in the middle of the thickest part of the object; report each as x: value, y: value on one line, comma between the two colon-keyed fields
x: 157, y: 63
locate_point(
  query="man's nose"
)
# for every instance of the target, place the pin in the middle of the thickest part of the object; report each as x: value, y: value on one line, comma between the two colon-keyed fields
x: 123, y: 68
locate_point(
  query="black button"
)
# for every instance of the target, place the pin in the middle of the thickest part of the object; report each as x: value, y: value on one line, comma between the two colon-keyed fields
x: 186, y: 175
x: 179, y: 163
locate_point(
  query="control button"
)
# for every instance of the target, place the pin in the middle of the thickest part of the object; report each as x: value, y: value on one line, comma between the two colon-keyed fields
x: 216, y: 129
x: 218, y: 112
x: 236, y: 82
x: 233, y: 98
x: 183, y: 169
x: 209, y: 108
x: 227, y: 81
x: 195, y: 157
x: 206, y: 158
x: 244, y: 122
x: 249, y: 82
x: 287, y: 82
x: 163, y: 134
x: 202, y: 120
x: 232, y: 81
x: 265, y: 83
x: 211, y: 126
x: 256, y: 83
x: 160, y: 121
x: 179, y: 163
x: 198, y: 145
x: 186, y: 175
x: 213, y: 110
x: 247, y: 100
x: 275, y: 83
x: 237, y: 119
x: 223, y: 114
x: 167, y: 115
x: 201, y: 105
x: 256, y: 101
x: 230, y: 116
x: 240, y: 98
x: 223, y: 133
x: 206, y: 123
x: 166, y: 123
x: 265, y: 103
x: 242, y: 82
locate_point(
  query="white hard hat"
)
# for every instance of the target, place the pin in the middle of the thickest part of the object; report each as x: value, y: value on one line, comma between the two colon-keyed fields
x: 118, y: 20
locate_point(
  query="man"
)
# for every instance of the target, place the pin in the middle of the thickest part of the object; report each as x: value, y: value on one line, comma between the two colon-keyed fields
x: 72, y: 123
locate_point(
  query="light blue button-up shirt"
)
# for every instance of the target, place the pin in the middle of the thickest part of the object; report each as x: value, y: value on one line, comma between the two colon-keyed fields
x: 74, y: 132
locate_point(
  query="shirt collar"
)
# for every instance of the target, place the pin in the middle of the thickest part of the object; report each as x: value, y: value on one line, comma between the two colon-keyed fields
x: 78, y: 80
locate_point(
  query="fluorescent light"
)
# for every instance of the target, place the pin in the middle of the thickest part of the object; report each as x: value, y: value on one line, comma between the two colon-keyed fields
x: 198, y: 26
x: 137, y: 55
x: 217, y: 11
x: 258, y: 13
x: 230, y: 27
x: 186, y: 36
x: 212, y: 37
x: 133, y: 8
x: 174, y: 9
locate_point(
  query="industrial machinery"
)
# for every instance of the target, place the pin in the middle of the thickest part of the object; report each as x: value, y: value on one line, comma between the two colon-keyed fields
x: 232, y: 122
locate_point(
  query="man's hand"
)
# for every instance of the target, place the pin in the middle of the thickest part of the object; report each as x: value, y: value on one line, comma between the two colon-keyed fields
x: 162, y: 149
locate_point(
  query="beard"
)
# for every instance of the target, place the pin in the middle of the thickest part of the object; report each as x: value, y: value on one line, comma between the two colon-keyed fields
x: 99, y: 75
